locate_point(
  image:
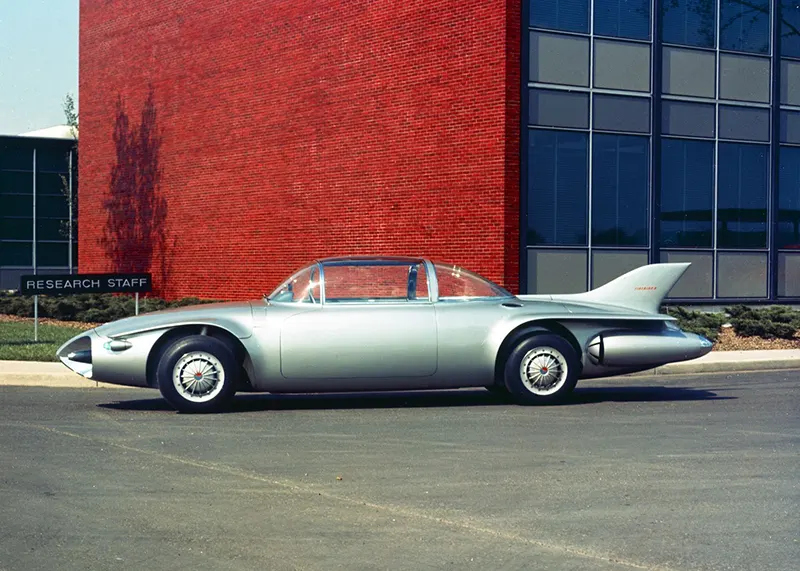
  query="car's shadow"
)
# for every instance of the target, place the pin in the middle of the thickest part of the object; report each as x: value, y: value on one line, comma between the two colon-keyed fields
x: 427, y: 399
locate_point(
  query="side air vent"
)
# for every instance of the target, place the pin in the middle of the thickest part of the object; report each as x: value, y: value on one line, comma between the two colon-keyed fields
x: 512, y: 304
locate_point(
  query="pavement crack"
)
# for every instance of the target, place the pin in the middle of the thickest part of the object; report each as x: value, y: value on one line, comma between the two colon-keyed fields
x: 410, y: 513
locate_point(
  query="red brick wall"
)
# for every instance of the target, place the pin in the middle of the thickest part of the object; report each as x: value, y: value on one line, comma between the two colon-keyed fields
x: 294, y: 129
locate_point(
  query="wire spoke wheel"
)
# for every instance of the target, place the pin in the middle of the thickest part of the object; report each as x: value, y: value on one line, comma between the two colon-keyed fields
x: 198, y: 376
x: 543, y: 370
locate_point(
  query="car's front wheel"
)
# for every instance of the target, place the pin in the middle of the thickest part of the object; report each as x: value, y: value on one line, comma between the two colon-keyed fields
x: 197, y: 374
x: 541, y: 369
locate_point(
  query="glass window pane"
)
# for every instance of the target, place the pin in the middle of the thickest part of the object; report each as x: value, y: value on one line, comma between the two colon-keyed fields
x: 16, y: 182
x: 50, y: 229
x: 52, y: 254
x: 790, y: 82
x: 788, y: 275
x: 689, y: 22
x: 16, y: 229
x: 556, y: 271
x: 744, y: 26
x: 622, y: 18
x: 612, y: 113
x: 744, y: 78
x: 558, y: 59
x: 687, y: 193
x: 16, y: 254
x: 689, y: 72
x: 384, y: 282
x: 689, y: 119
x: 607, y: 266
x: 696, y: 282
x: 742, y: 196
x: 568, y: 15
x: 558, y: 108
x: 620, y: 184
x: 455, y: 281
x: 52, y: 207
x: 741, y: 274
x: 790, y: 29
x: 49, y: 183
x: 789, y: 198
x: 52, y: 160
x: 622, y: 65
x: 558, y: 187
x: 12, y: 157
x: 302, y: 287
x: 790, y: 127
x: 744, y: 123
x: 16, y: 205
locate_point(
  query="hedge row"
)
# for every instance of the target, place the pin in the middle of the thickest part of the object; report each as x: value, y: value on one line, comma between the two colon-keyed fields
x: 776, y: 321
x: 88, y: 308
x: 767, y: 322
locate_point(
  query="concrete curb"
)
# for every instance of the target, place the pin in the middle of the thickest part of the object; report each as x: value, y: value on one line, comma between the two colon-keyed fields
x: 38, y: 374
x: 731, y: 362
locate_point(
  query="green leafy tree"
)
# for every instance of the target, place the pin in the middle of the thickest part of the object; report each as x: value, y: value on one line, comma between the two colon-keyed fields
x: 71, y: 118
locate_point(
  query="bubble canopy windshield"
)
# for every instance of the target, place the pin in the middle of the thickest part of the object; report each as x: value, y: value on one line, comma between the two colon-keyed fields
x: 386, y: 280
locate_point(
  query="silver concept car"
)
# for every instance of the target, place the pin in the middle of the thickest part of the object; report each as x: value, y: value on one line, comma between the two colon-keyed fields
x: 390, y: 323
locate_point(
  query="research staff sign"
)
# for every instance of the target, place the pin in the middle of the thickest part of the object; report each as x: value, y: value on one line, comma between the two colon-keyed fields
x: 61, y: 284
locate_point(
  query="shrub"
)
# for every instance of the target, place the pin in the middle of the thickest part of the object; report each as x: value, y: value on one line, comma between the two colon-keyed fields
x: 700, y: 322
x: 87, y: 307
x: 768, y: 322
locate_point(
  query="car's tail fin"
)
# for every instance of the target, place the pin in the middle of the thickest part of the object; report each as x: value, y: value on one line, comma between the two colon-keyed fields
x: 642, y: 289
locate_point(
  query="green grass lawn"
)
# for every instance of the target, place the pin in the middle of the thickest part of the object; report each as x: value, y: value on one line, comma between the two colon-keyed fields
x: 16, y: 341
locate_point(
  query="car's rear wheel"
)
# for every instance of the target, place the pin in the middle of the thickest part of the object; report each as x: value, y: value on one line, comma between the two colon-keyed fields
x: 197, y: 374
x: 541, y: 369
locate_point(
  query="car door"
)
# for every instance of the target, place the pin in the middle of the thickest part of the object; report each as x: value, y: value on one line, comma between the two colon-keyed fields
x: 370, y: 325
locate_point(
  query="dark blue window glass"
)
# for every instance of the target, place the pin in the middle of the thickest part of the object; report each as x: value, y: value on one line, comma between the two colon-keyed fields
x: 620, y: 184
x: 567, y: 15
x: 689, y: 22
x: 744, y: 26
x: 687, y: 193
x: 622, y: 18
x: 742, y: 196
x: 789, y: 198
x: 790, y: 28
x: 558, y: 188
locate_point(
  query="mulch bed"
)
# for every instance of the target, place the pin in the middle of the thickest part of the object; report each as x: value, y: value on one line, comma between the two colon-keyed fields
x: 48, y: 321
x: 729, y: 341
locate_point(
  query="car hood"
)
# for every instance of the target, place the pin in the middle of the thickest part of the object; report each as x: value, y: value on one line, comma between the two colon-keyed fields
x: 236, y: 317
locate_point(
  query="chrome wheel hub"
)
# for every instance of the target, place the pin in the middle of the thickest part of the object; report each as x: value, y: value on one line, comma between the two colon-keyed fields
x: 198, y: 376
x: 543, y: 370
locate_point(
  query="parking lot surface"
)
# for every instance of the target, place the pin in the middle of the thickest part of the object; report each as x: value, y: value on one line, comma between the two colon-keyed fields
x: 653, y: 473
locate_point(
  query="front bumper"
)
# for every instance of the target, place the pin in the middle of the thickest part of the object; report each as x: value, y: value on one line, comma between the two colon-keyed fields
x: 107, y: 360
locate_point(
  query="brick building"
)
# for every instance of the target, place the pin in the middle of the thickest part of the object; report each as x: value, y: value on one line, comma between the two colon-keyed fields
x: 548, y: 145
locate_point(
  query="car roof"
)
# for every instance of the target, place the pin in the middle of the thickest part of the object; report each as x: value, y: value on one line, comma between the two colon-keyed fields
x: 353, y: 260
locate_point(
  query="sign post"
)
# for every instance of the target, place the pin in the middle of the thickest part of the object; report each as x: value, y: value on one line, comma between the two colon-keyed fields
x: 63, y: 284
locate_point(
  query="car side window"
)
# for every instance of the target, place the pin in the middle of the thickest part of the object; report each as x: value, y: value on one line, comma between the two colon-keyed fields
x: 375, y: 283
x: 302, y: 287
x: 456, y: 283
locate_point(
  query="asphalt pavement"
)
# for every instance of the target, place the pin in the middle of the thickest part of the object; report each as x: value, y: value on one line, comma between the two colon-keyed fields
x: 660, y: 473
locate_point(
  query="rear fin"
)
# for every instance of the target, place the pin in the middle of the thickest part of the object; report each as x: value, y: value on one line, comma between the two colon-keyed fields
x: 641, y: 289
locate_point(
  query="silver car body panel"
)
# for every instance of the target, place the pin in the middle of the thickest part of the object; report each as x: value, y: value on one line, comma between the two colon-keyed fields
x: 430, y: 343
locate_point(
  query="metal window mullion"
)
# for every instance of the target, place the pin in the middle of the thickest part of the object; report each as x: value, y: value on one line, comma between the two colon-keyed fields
x: 524, y: 286
x: 33, y: 214
x: 657, y: 64
x: 590, y: 151
x: 714, y: 215
x: 69, y: 252
x: 775, y: 149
